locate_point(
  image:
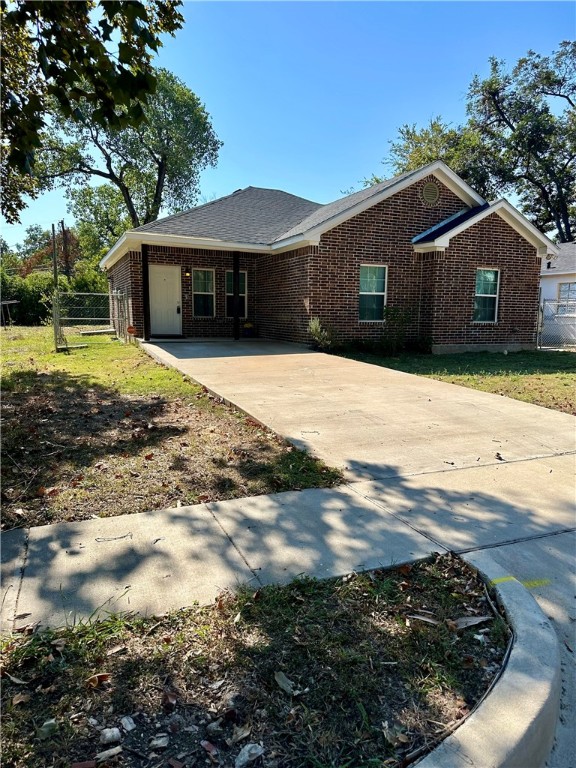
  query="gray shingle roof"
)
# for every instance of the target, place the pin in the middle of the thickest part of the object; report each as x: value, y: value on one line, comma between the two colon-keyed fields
x: 565, y: 261
x: 251, y: 215
x: 260, y: 216
x: 329, y: 211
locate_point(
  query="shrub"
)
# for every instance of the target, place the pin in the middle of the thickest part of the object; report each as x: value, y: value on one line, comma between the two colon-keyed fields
x: 397, y: 320
x: 321, y: 337
x: 33, y: 294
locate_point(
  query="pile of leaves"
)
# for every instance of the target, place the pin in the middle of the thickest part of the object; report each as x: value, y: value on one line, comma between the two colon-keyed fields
x: 370, y: 669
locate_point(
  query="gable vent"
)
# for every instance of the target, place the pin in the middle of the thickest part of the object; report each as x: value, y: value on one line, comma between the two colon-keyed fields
x: 430, y: 193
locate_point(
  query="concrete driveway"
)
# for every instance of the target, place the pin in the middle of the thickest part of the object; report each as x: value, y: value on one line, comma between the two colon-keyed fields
x: 374, y: 422
x: 465, y: 469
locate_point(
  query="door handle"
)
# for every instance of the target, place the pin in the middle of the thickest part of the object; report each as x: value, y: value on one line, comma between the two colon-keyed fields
x: 177, y: 310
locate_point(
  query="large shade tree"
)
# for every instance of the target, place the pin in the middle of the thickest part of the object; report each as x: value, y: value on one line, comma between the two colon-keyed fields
x: 520, y: 138
x: 79, y: 55
x: 154, y: 165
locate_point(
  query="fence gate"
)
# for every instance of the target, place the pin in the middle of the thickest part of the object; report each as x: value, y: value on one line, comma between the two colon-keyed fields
x: 557, y: 325
x: 88, y: 318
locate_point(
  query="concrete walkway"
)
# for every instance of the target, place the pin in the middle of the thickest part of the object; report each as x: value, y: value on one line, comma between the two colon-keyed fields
x: 430, y: 466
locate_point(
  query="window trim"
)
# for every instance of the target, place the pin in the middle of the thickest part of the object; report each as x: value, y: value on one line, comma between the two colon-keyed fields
x: 374, y: 293
x: 204, y: 293
x: 568, y: 304
x: 245, y: 294
x: 488, y: 295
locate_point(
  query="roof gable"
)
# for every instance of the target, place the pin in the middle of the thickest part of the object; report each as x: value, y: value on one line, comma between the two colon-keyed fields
x: 331, y: 215
x: 438, y: 238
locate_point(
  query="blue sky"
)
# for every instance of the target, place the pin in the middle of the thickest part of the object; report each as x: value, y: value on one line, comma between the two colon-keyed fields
x: 306, y: 96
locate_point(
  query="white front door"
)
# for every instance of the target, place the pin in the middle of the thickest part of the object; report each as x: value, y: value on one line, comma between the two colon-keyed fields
x: 165, y: 300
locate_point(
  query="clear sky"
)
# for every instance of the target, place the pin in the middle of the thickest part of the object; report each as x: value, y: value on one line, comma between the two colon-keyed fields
x: 306, y: 96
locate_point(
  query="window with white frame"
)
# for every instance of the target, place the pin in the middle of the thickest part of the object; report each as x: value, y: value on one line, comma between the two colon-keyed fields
x: 372, y: 294
x: 486, y: 296
x: 230, y: 294
x: 203, y: 292
x: 567, y: 298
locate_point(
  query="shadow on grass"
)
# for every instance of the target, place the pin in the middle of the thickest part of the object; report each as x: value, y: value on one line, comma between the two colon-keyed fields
x: 57, y: 419
x: 58, y: 427
x: 364, y: 674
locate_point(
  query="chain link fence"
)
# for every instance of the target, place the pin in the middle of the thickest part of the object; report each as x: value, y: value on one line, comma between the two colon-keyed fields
x: 88, y: 318
x: 557, y: 326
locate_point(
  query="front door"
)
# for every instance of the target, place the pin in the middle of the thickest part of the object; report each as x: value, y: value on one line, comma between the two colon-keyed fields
x: 165, y: 300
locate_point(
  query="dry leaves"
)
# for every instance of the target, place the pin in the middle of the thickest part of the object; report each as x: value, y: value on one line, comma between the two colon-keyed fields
x: 96, y: 680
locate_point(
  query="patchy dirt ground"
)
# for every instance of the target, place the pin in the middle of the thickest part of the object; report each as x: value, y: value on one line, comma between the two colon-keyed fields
x: 365, y: 670
x: 74, y: 451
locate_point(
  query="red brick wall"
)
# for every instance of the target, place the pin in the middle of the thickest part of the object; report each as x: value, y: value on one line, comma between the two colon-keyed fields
x: 127, y: 274
x: 437, y: 288
x: 286, y: 290
x: 282, y: 295
x: 491, y: 243
x: 380, y: 235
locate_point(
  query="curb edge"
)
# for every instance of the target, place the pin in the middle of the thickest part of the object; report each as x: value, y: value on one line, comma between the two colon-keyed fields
x: 514, y: 726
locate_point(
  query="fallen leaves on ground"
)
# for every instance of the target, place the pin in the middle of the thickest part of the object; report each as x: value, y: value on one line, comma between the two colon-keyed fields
x: 316, y: 672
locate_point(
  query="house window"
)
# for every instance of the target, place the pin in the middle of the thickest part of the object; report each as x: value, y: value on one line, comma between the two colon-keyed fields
x: 566, y: 298
x: 372, y: 298
x: 486, y: 298
x: 230, y: 294
x: 203, y: 292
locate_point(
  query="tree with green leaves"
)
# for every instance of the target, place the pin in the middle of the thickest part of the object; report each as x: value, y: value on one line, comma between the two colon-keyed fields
x: 154, y: 165
x: 101, y: 218
x: 78, y: 54
x: 520, y: 138
x: 461, y: 148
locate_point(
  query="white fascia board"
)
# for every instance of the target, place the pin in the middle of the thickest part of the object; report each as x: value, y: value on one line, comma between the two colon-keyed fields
x: 455, y: 184
x: 134, y: 241
x: 512, y: 217
x: 115, y: 253
x: 428, y: 248
x: 293, y: 243
x: 439, y: 169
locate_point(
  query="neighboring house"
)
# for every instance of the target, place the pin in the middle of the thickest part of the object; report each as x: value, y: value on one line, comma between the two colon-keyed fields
x: 466, y: 271
x: 558, y: 297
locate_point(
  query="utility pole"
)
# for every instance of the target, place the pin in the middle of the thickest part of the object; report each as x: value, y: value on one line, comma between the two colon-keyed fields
x: 55, y: 294
x: 54, y: 259
x: 65, y: 252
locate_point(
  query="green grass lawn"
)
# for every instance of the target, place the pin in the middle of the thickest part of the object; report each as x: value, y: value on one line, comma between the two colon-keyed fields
x: 542, y: 378
x: 105, y: 430
x: 27, y: 352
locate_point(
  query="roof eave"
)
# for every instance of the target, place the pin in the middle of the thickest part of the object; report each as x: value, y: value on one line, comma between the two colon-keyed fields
x: 557, y: 273
x: 512, y: 217
x: 428, y: 248
x: 134, y: 240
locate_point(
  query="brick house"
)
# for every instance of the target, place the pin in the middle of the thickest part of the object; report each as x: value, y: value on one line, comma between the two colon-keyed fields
x: 466, y: 272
